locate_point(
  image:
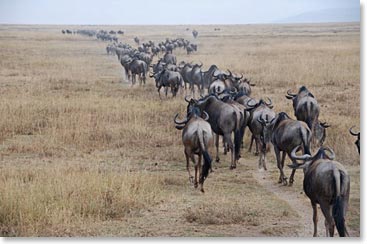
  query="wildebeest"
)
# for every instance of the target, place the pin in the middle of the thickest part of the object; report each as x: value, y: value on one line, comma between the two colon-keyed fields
x: 140, y: 68
x: 120, y: 32
x: 136, y: 40
x: 195, y: 33
x: 285, y: 134
x: 197, y: 137
x: 242, y: 98
x: 167, y: 78
x: 357, y: 134
x: 244, y: 85
x: 169, y: 58
x: 327, y: 183
x: 208, y: 75
x: 320, y: 133
x: 258, y: 110
x: 185, y: 70
x: 305, y: 108
x: 223, y: 119
x: 191, y: 48
x: 196, y: 78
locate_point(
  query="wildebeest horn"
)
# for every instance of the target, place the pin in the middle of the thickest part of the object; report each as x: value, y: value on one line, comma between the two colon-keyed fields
x: 248, y: 103
x: 291, y: 94
x: 186, y: 99
x: 230, y: 73
x: 270, y: 103
x: 304, y: 157
x: 324, y: 124
x: 332, y: 154
x: 201, y: 64
x: 206, y: 115
x: 261, y: 120
x: 353, y: 133
x: 241, y: 76
x: 180, y: 122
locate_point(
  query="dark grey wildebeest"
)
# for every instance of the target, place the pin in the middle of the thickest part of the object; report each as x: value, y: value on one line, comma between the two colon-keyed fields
x: 244, y: 85
x: 140, y: 68
x: 327, y: 183
x: 169, y: 58
x: 197, y: 137
x: 264, y: 111
x: 196, y: 78
x: 168, y: 79
x: 195, y: 33
x: 185, y: 70
x: 224, y: 119
x: 305, y: 108
x: 285, y: 134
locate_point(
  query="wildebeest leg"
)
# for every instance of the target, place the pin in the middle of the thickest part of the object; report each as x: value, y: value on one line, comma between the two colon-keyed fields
x: 314, y: 218
x: 329, y: 222
x: 225, y: 147
x: 196, y: 164
x: 291, y: 178
x: 257, y: 146
x: 228, y: 140
x: 159, y: 92
x: 282, y: 178
x: 166, y: 90
x: 187, y: 155
x: 199, y: 172
x: 251, y: 142
x: 217, y: 147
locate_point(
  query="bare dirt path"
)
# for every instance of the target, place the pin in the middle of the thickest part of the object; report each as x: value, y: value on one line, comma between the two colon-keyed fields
x: 296, y: 199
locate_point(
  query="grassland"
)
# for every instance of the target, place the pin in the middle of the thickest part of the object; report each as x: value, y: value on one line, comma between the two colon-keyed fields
x: 83, y: 153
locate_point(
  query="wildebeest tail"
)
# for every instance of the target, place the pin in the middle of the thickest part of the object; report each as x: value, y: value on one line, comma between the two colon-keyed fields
x: 207, y: 159
x: 338, y: 207
x: 237, y: 136
x: 306, y: 135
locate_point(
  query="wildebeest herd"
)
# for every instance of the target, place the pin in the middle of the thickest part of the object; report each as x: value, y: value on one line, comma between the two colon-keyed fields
x: 226, y: 108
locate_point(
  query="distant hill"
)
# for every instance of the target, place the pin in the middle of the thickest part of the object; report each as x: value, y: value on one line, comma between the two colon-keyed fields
x: 325, y: 15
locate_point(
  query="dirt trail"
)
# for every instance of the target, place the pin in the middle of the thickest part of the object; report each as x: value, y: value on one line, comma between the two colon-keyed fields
x: 296, y: 199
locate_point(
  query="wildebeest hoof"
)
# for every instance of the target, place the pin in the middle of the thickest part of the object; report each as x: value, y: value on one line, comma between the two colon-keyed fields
x: 191, y: 179
x: 285, y: 182
x: 256, y: 154
x: 232, y: 167
x: 196, y: 185
x: 290, y: 182
x: 202, y: 190
x: 217, y: 160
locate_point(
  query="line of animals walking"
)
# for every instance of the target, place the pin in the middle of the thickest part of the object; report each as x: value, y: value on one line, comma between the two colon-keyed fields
x: 228, y: 109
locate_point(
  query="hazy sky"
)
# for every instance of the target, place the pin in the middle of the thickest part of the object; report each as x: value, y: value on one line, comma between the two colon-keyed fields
x: 125, y: 12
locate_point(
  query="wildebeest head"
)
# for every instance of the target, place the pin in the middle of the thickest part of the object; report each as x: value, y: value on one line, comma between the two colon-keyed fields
x: 302, y: 92
x: 320, y: 133
x: 252, y: 104
x: 308, y: 159
x: 158, y: 77
x: 357, y: 134
x: 268, y: 125
x: 192, y: 111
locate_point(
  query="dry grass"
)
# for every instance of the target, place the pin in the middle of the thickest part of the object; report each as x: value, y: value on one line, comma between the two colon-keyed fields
x: 81, y: 151
x: 35, y: 201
